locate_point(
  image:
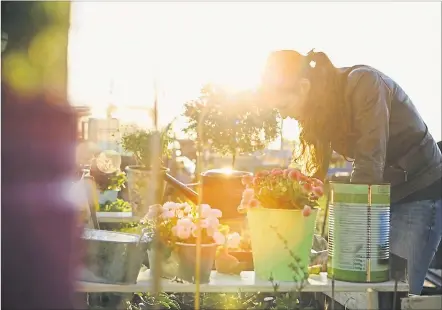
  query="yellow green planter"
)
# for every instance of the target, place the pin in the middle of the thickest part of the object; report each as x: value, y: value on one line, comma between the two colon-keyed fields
x: 271, y: 256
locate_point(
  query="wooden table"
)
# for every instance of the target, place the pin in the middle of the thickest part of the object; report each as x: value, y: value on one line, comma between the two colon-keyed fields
x: 117, y: 217
x: 246, y: 282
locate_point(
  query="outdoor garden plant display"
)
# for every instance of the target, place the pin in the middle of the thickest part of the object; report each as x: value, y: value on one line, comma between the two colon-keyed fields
x: 172, y: 229
x: 285, y: 200
x: 231, y: 124
x: 139, y: 177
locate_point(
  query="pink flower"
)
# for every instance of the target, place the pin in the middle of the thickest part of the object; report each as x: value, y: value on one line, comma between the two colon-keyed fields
x: 306, y: 211
x: 295, y: 175
x: 307, y: 187
x: 316, y: 182
x: 285, y: 173
x: 205, y: 210
x: 262, y: 174
x: 219, y: 238
x: 275, y: 172
x: 318, y: 191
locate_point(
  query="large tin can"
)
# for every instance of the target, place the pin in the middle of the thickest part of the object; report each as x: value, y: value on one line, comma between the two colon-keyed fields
x: 359, y: 231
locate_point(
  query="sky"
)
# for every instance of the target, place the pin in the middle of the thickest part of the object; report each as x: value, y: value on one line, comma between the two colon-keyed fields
x: 126, y: 46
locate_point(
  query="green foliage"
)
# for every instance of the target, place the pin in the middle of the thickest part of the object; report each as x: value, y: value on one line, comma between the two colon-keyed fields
x: 232, y: 123
x: 117, y: 182
x: 140, y: 144
x: 118, y: 205
x: 148, y: 301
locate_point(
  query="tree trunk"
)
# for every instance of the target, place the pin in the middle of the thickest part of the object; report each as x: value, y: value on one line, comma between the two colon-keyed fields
x: 233, y: 160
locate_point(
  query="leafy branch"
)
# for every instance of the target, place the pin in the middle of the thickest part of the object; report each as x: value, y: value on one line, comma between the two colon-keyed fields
x: 233, y: 123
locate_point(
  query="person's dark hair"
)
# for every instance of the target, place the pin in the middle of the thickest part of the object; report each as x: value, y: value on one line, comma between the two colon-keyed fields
x: 324, y: 117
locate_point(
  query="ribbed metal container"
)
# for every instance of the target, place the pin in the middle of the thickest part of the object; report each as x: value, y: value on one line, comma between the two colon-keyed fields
x: 359, y: 231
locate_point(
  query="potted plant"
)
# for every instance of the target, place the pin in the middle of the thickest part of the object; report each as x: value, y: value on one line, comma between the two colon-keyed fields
x: 230, y: 124
x: 108, y: 190
x: 286, y: 200
x: 139, y: 177
x: 174, y: 228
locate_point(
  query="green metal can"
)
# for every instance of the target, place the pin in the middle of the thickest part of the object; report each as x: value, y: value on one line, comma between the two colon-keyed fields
x: 359, y: 232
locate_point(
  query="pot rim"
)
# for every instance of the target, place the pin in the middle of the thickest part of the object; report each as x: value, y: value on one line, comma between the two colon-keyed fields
x: 283, y: 210
x: 113, y: 233
x: 205, y: 245
x: 217, y: 173
x: 144, y: 168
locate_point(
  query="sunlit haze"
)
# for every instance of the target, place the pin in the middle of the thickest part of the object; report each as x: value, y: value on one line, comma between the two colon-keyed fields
x: 125, y: 46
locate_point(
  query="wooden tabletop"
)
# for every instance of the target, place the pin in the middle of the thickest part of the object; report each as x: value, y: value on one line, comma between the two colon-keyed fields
x: 245, y: 282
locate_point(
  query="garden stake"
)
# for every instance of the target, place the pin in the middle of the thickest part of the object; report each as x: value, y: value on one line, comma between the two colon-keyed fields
x: 199, y: 145
x: 156, y: 162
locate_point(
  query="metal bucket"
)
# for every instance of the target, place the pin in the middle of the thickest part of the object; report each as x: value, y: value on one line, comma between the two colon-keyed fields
x: 112, y: 257
x: 359, y: 231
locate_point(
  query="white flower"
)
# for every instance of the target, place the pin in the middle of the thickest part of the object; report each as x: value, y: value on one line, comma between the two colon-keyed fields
x: 205, y: 210
x: 216, y: 213
x: 187, y: 207
x: 204, y: 223
x: 183, y: 232
x: 167, y: 214
x: 185, y: 221
x: 219, y: 238
x: 212, y: 222
x: 171, y: 205
x: 233, y: 240
x: 179, y: 214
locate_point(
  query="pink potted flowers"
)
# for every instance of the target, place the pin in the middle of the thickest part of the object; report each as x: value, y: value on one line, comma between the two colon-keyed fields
x: 177, y: 231
x: 281, y: 212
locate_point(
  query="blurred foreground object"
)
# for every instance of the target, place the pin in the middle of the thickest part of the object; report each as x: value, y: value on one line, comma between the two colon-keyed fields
x: 40, y: 235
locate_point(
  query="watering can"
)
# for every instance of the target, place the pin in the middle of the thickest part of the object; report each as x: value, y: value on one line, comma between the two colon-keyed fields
x: 221, y: 190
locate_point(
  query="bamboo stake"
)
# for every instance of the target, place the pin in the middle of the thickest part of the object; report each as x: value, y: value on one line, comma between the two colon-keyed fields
x: 199, y: 162
x: 156, y: 162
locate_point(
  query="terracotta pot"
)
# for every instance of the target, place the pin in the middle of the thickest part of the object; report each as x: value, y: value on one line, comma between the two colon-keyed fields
x: 223, y: 191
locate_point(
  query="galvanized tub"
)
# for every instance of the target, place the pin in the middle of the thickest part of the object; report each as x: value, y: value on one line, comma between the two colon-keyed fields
x: 359, y: 232
x: 112, y: 257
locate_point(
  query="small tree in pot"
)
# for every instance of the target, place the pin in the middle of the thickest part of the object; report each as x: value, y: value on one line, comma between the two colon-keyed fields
x: 139, y: 176
x: 233, y: 123
x: 230, y: 124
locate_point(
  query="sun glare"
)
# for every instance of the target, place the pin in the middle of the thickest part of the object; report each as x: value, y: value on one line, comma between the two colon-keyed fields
x: 118, y: 50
